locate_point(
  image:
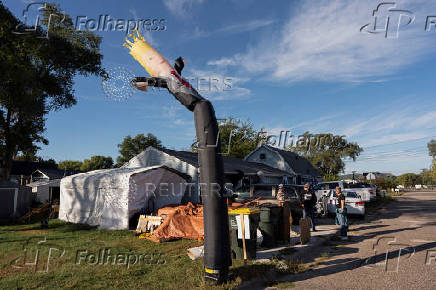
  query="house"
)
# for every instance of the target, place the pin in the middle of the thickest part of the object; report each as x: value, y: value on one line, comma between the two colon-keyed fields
x: 299, y: 167
x: 45, y: 190
x: 376, y: 175
x: 242, y: 174
x: 22, y: 170
x: 45, y: 174
x: 45, y: 183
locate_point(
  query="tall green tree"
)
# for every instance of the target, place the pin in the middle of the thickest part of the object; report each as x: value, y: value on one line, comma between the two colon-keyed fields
x: 409, y: 179
x: 238, y: 137
x: 70, y: 165
x: 326, y: 151
x: 428, y: 177
x: 130, y: 147
x: 97, y: 162
x: 432, y: 152
x: 37, y: 76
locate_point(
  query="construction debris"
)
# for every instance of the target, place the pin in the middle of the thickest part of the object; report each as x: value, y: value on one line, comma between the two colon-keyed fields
x: 196, y: 252
x: 147, y: 224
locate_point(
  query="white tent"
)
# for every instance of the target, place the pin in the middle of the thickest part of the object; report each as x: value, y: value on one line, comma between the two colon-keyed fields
x: 110, y: 197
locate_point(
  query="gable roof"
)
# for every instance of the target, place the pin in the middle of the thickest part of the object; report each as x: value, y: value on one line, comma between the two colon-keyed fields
x: 232, y: 165
x: 299, y: 164
x: 26, y: 168
x: 56, y: 173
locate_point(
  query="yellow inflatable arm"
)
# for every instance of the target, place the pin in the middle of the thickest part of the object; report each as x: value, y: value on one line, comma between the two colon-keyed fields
x: 153, y: 62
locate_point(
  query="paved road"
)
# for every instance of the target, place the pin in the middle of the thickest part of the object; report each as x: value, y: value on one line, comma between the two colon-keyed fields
x: 405, y: 229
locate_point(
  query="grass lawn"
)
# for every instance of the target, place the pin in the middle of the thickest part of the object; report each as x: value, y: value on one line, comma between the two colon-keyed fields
x: 77, y: 259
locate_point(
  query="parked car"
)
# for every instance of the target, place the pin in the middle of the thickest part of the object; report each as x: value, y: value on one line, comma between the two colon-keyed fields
x: 375, y: 188
x: 354, y: 203
x: 325, y: 188
x: 364, y: 190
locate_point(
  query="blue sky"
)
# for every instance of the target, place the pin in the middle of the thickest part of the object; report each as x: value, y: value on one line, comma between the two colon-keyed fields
x: 293, y: 65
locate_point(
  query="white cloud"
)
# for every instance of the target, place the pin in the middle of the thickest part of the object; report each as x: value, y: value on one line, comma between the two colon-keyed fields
x: 181, y: 8
x: 323, y: 41
x: 229, y: 29
x: 225, y: 61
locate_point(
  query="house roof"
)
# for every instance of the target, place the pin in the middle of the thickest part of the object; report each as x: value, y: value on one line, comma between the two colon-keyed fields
x: 231, y: 165
x: 26, y: 168
x: 299, y: 164
x: 56, y: 173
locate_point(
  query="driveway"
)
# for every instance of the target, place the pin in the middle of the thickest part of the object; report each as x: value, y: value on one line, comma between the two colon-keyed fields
x: 394, y: 248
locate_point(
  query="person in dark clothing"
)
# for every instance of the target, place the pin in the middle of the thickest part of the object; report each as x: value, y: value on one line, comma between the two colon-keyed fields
x: 341, y: 213
x: 308, y: 204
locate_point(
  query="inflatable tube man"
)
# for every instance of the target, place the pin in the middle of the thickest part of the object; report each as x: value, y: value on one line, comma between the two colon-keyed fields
x: 217, y: 257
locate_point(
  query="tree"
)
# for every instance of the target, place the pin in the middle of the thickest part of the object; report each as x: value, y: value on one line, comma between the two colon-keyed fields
x: 386, y: 183
x: 428, y: 177
x: 409, y: 179
x: 37, y: 76
x: 237, y: 137
x: 432, y: 152
x: 130, y: 147
x: 70, y: 165
x: 97, y: 162
x: 326, y: 151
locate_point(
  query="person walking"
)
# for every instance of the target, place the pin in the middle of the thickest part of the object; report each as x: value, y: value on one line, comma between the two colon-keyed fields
x: 341, y: 213
x: 308, y: 204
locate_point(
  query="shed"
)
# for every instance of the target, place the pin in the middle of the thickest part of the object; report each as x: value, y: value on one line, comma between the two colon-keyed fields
x: 15, y: 200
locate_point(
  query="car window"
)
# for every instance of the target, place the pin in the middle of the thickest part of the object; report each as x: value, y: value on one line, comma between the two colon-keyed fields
x: 333, y: 185
x: 350, y: 194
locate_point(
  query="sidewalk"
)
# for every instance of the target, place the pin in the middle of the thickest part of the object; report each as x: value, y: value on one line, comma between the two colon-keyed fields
x: 294, y: 250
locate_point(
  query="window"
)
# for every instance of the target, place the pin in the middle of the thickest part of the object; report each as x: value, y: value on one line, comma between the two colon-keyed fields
x: 350, y: 194
x: 262, y: 156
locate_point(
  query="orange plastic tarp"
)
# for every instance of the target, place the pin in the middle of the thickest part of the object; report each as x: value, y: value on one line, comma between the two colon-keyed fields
x: 180, y: 222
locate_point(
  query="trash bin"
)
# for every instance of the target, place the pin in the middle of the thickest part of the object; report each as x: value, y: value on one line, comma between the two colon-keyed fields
x: 250, y: 243
x: 269, y: 224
